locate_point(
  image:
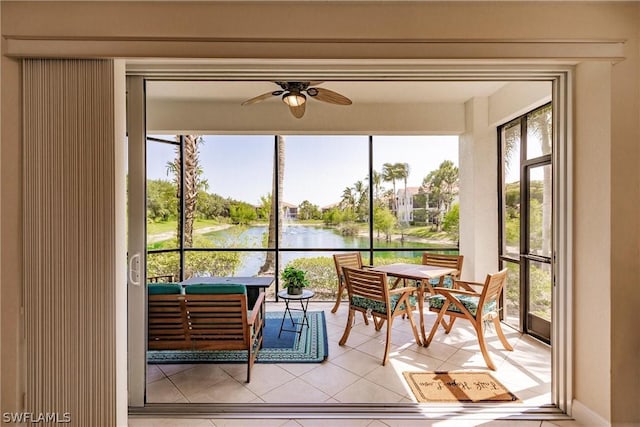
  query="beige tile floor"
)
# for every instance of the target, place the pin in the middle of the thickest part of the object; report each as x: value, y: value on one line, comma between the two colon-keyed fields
x: 329, y: 422
x: 353, y: 373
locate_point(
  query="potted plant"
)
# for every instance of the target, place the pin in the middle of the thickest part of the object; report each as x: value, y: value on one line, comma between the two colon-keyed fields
x: 294, y: 280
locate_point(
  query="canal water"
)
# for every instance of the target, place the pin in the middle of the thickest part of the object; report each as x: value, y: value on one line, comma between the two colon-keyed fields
x: 299, y: 237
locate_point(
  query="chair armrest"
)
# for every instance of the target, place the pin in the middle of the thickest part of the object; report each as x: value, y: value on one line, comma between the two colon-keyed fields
x: 447, y: 291
x: 409, y: 289
x: 465, y: 284
x: 256, y: 309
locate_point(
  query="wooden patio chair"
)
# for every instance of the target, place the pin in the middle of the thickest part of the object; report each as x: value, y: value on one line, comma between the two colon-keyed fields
x: 219, y: 320
x: 166, y: 317
x: 369, y: 293
x: 446, y: 261
x: 351, y: 259
x: 465, y: 303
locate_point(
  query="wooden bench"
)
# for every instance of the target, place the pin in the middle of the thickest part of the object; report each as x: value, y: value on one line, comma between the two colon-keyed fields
x: 204, y: 317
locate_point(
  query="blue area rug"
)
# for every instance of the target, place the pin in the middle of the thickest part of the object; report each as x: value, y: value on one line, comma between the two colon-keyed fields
x: 309, y: 347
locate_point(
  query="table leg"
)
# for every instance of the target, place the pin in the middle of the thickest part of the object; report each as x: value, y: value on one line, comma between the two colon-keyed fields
x: 304, y: 304
x: 252, y: 296
x: 286, y: 310
x: 305, y: 319
x: 421, y: 310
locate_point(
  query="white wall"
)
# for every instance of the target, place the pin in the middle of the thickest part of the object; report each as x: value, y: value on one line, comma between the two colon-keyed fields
x: 479, y: 170
x: 516, y: 98
x: 478, y: 197
x: 593, y: 235
x: 172, y: 116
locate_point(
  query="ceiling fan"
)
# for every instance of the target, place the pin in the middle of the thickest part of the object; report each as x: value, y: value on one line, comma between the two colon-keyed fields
x: 293, y: 94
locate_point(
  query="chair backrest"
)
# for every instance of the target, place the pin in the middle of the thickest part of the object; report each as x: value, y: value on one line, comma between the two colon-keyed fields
x: 366, y: 284
x: 350, y: 259
x: 166, y: 316
x: 217, y: 315
x: 441, y: 260
x: 493, y: 285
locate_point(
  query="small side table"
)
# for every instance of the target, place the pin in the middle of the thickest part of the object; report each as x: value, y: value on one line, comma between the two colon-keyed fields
x: 304, y: 303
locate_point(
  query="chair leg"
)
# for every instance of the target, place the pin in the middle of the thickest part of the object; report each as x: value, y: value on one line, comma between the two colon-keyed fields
x: 366, y: 319
x: 338, y: 298
x: 387, y: 344
x: 503, y: 339
x: 483, y: 345
x: 435, y: 325
x: 249, y: 360
x: 448, y: 325
x: 413, y: 326
x: 378, y: 322
x: 347, y: 328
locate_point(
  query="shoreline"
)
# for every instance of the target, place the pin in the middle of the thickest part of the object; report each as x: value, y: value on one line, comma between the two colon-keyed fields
x: 161, y: 237
x: 395, y: 237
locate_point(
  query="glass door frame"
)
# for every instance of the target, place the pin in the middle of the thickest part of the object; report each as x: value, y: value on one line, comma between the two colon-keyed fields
x: 529, y: 324
x: 561, y: 76
x: 533, y: 325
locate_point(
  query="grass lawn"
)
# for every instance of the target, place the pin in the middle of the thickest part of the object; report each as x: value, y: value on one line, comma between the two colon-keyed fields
x: 163, y: 227
x: 427, y: 233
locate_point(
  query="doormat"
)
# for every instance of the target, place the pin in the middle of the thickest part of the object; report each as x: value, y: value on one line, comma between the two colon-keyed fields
x: 457, y: 386
x: 310, y: 346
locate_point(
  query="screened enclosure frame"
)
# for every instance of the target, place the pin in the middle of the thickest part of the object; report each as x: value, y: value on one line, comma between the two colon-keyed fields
x: 371, y: 249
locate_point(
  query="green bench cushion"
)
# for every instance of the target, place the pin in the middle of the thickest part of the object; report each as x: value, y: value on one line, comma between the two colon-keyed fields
x: 164, y: 289
x: 215, y: 288
x: 468, y: 301
x: 446, y: 283
x: 379, y: 306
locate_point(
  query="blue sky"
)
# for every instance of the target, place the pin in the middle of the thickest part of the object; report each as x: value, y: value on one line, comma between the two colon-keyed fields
x: 317, y: 168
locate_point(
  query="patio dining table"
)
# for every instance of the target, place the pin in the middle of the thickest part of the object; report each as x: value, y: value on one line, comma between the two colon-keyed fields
x: 421, y: 274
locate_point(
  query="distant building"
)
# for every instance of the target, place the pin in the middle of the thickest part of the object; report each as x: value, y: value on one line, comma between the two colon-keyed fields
x: 329, y: 207
x: 289, y: 211
x: 406, y: 203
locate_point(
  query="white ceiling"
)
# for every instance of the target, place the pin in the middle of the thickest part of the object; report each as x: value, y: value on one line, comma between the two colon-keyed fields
x: 357, y: 91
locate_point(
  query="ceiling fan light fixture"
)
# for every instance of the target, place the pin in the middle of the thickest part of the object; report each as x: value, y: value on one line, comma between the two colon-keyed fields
x: 294, y: 99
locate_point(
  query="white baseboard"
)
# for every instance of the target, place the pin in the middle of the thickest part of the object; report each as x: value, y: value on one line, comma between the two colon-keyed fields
x: 586, y: 417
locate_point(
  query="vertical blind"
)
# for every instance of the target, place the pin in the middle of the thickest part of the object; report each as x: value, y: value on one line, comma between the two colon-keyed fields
x: 69, y: 240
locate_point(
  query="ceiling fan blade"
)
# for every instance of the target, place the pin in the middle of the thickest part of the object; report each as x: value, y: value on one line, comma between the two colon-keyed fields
x: 261, y: 97
x: 298, y: 111
x: 314, y: 84
x: 330, y: 96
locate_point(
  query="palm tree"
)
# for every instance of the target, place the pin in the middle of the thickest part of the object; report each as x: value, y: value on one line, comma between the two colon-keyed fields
x: 348, y: 199
x: 402, y: 172
x: 193, y: 182
x: 361, y: 192
x: 441, y: 185
x: 389, y: 174
x: 377, y: 181
x: 269, y: 263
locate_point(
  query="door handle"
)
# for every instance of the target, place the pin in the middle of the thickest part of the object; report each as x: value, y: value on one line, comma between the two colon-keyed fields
x: 538, y: 258
x: 134, y: 269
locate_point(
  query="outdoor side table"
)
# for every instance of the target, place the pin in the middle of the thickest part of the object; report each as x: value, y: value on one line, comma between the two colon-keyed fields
x: 304, y: 303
